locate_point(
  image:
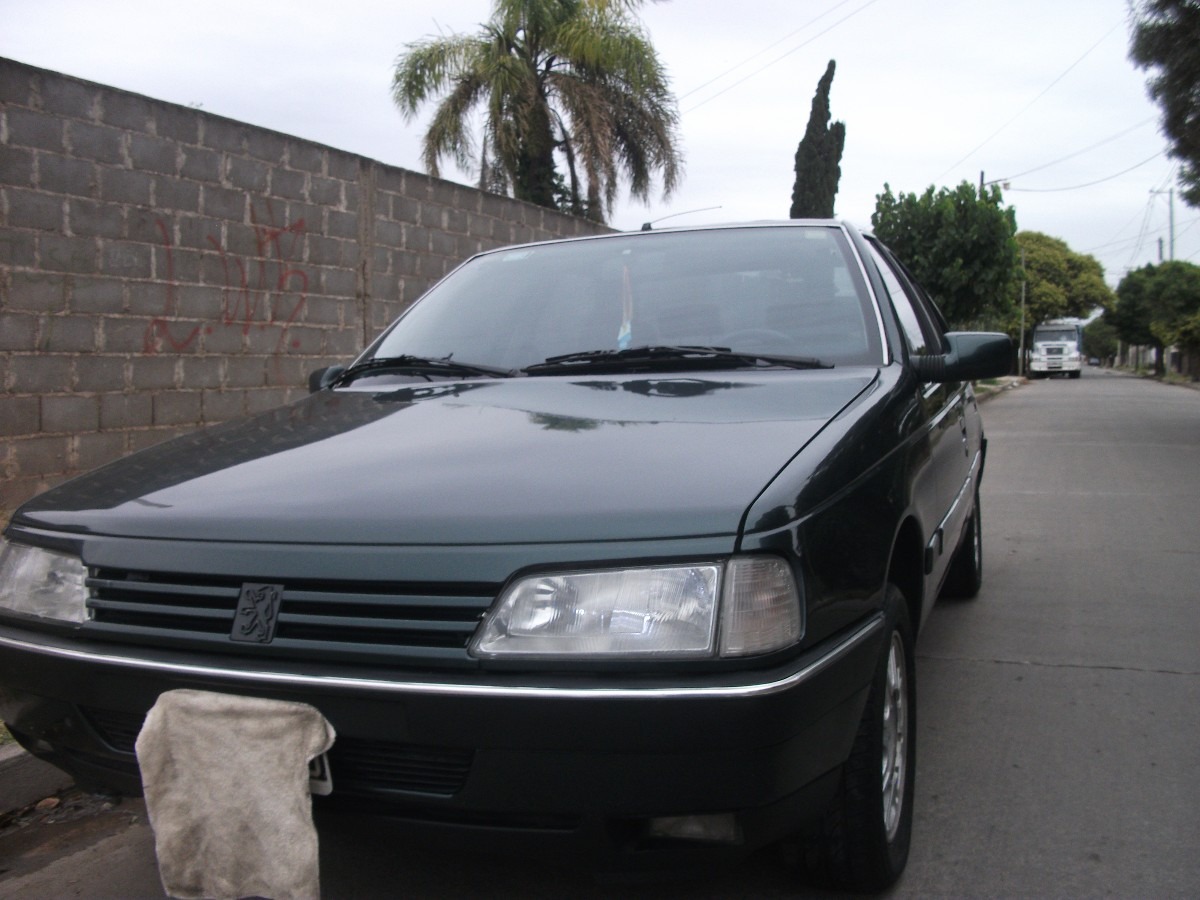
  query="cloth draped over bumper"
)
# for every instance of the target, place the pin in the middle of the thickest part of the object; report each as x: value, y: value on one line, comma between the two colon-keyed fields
x: 227, y: 791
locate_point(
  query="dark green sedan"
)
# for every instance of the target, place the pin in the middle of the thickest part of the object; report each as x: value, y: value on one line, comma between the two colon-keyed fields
x: 618, y: 544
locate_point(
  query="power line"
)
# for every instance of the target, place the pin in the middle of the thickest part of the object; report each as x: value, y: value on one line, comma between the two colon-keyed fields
x: 1025, y: 109
x: 1107, y: 140
x: 1076, y: 187
x: 784, y: 56
x: 755, y: 56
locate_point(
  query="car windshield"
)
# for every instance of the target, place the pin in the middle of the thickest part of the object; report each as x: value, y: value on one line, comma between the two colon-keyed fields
x: 775, y: 292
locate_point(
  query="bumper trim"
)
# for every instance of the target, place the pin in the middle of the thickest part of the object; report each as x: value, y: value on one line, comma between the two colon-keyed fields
x: 840, y: 647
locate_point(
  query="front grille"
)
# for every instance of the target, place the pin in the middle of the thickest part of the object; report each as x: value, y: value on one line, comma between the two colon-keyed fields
x: 363, y: 767
x: 370, y: 623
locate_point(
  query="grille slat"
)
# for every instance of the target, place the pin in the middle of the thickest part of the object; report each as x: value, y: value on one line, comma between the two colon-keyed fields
x: 319, y: 621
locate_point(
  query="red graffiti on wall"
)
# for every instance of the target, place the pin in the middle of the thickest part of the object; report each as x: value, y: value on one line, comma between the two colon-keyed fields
x: 266, y: 290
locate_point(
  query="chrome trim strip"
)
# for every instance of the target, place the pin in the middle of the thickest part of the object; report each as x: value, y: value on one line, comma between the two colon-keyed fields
x: 836, y: 652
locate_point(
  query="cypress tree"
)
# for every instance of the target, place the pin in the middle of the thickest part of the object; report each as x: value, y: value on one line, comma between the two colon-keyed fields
x: 819, y: 157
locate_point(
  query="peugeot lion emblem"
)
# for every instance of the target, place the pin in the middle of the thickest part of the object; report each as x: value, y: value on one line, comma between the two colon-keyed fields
x: 257, y: 613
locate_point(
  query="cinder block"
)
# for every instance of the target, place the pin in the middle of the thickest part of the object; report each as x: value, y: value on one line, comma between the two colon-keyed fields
x: 98, y: 143
x: 220, y: 406
x: 138, y: 334
x: 127, y: 111
x: 223, y: 203
x: 247, y: 174
x: 153, y: 154
x: 306, y: 157
x: 29, y: 209
x: 177, y: 408
x: 125, y: 411
x: 18, y: 247
x: 124, y: 185
x: 246, y: 372
x: 70, y: 414
x: 177, y: 123
x: 59, y: 253
x: 125, y: 259
x: 97, y: 295
x: 153, y: 373
x: 16, y: 166
x: 223, y: 338
x: 15, y: 491
x: 330, y: 193
x: 203, y: 372
x: 39, y: 456
x: 201, y: 164
x: 19, y: 415
x: 266, y: 145
x: 37, y: 292
x: 337, y: 282
x: 66, y: 175
x: 93, y: 450
x: 177, y: 195
x: 16, y: 82
x: 90, y: 218
x: 289, y: 184
x: 99, y: 374
x: 346, y: 166
x: 67, y: 334
x: 39, y: 130
x: 342, y: 224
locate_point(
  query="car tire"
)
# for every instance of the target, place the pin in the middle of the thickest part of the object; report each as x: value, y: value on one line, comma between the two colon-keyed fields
x: 965, y: 577
x: 861, y: 842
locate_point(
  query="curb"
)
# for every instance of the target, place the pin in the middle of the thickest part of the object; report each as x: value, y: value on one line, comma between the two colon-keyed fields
x: 1008, y: 383
x: 25, y: 779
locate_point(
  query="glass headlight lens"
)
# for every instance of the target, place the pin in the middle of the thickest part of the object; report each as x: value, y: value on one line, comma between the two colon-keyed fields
x: 662, y: 612
x: 41, y: 583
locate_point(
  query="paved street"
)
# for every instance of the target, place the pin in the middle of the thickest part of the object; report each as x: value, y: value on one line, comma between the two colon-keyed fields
x: 1059, y: 739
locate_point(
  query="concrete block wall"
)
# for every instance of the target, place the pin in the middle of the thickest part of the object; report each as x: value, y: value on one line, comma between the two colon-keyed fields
x: 163, y: 268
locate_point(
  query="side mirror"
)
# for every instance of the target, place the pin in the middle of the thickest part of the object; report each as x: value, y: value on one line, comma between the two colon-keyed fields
x: 972, y: 355
x: 323, y: 378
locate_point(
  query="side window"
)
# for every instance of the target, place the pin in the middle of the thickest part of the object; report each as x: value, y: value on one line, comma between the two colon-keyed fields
x: 916, y: 321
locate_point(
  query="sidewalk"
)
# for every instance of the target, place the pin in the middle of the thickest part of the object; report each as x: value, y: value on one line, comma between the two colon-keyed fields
x: 25, y: 779
x: 1007, y: 383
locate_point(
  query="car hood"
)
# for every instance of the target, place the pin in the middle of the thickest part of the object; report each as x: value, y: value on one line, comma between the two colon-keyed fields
x: 477, y: 462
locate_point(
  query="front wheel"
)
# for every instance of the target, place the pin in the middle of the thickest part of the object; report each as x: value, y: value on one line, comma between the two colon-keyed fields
x: 862, y: 841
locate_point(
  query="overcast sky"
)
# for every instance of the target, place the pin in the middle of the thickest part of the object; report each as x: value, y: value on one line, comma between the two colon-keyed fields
x: 1038, y: 93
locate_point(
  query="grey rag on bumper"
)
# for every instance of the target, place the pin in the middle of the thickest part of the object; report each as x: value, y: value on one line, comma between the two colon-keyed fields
x: 226, y: 787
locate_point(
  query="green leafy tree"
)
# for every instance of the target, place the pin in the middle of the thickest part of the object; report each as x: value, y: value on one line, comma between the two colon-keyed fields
x: 958, y: 243
x: 819, y: 157
x: 570, y: 83
x: 1166, y: 38
x: 1100, y: 339
x: 1156, y: 306
x: 1060, y: 283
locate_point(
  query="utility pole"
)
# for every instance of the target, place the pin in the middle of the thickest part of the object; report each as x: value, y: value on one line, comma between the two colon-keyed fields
x: 1170, y: 192
x: 1021, y: 351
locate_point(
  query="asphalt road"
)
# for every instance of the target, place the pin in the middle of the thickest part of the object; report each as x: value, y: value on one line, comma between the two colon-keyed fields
x: 1059, y: 740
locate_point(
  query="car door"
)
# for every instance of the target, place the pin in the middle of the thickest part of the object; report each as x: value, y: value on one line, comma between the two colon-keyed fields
x: 945, y: 408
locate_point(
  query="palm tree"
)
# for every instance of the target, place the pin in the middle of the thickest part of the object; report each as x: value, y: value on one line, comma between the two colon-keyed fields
x: 576, y: 80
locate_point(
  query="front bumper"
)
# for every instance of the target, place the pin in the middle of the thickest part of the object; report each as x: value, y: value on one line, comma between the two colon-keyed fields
x: 587, y: 759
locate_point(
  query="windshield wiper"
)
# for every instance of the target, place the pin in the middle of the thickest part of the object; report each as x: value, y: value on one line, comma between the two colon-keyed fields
x: 658, y: 358
x: 420, y: 365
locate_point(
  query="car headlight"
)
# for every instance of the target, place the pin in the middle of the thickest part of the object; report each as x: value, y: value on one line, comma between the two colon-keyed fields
x: 748, y: 605
x: 37, y: 582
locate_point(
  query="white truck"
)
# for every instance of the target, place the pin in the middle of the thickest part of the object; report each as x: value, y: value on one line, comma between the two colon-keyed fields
x: 1057, y: 346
